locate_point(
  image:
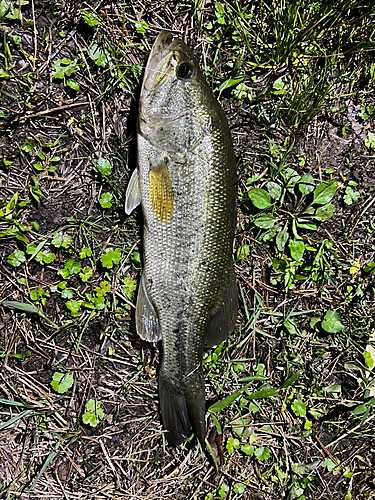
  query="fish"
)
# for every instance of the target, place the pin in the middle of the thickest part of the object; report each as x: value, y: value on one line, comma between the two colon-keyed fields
x: 186, y: 182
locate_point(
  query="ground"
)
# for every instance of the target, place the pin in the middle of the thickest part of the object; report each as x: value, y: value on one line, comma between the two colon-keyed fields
x: 290, y: 395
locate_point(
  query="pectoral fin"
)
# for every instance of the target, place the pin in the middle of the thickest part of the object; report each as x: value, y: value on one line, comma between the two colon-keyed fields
x: 146, y: 319
x: 133, y: 193
x: 161, y: 194
x: 224, y: 320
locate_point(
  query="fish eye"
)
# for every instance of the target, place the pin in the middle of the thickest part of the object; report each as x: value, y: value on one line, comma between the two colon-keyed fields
x: 185, y: 71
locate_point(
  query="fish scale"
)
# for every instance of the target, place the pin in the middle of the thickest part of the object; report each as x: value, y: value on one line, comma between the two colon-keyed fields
x: 186, y: 182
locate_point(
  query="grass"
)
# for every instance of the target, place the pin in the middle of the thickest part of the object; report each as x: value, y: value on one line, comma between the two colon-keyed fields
x: 290, y: 394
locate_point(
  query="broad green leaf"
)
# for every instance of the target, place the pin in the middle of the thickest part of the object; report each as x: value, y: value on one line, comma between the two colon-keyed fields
x: 86, y: 274
x: 265, y: 221
x: 231, y: 82
x: 72, y: 84
x: 369, y: 360
x: 20, y: 306
x: 260, y: 198
x: 290, y: 327
x: 90, y: 18
x: 351, y: 195
x: 281, y: 239
x: 274, y: 190
x: 16, y: 258
x: 74, y: 306
x: 36, y: 293
x: 252, y: 179
x: 128, y: 287
x: 270, y: 234
x: 67, y: 294
x: 4, y: 8
x: 369, y: 267
x: 243, y: 252
x: 278, y: 87
x: 248, y: 449
x: 306, y: 225
x: 99, y: 54
x: 263, y: 393
x: 45, y: 257
x: 141, y: 26
x: 14, y: 13
x: 333, y: 389
x: 61, y: 240
x: 62, y: 382
x: 239, y: 488
x: 306, y: 184
x: 370, y: 141
x: 296, y: 248
x: 223, y: 491
x: 299, y: 408
x: 103, y: 166
x: 136, y: 259
x: 94, y: 413
x: 220, y: 405
x: 110, y: 258
x: 330, y: 464
x: 332, y: 322
x: 27, y: 146
x: 317, y: 414
x: 262, y: 453
x: 292, y: 379
x: 63, y: 67
x: 241, y: 427
x: 85, y: 252
x: 105, y: 200
x: 73, y: 267
x: 232, y: 444
x: 103, y: 289
x: 325, y: 192
x: 34, y: 249
x: 325, y: 212
x: 291, y: 177
x: 360, y: 409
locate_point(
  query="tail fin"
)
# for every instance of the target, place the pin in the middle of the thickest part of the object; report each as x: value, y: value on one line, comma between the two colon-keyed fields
x: 181, y: 406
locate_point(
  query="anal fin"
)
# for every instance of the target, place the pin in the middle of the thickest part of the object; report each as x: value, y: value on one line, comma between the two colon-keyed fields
x: 146, y: 319
x: 224, y: 320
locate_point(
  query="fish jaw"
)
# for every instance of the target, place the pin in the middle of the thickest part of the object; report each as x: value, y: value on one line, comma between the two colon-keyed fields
x: 163, y: 84
x: 158, y: 61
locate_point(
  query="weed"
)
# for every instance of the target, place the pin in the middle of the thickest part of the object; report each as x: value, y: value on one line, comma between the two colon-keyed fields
x: 64, y: 68
x: 62, y: 382
x: 94, y: 413
x: 290, y: 205
x: 105, y: 200
x: 110, y: 258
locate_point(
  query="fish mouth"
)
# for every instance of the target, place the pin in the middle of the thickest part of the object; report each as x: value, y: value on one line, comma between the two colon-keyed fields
x: 166, y: 54
x: 159, y: 64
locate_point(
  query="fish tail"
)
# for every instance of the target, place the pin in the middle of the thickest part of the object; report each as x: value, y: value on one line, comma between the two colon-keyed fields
x: 181, y: 406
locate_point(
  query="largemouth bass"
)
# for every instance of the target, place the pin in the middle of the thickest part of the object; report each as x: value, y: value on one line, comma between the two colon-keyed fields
x: 186, y: 182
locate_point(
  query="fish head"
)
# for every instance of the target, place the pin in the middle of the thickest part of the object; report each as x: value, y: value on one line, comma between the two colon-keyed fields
x: 172, y: 86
